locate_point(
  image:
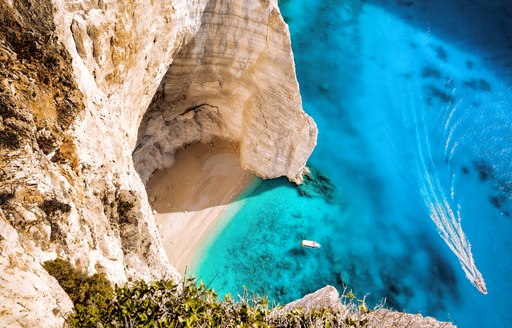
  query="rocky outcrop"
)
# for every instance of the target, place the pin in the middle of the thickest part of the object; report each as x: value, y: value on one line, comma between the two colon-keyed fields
x: 234, y: 80
x: 328, y: 297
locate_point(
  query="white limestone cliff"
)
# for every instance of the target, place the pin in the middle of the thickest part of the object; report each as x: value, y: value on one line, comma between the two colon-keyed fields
x: 77, y: 79
x: 329, y: 298
x: 234, y: 80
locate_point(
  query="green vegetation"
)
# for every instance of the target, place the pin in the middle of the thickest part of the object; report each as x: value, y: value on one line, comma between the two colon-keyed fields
x: 90, y: 295
x: 188, y: 304
x: 51, y: 206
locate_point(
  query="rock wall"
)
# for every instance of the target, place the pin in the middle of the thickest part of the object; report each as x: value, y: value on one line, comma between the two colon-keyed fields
x: 77, y: 78
x: 328, y: 297
x: 234, y: 80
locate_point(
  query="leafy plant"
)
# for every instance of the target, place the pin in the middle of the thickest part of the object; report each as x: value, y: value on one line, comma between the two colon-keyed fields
x: 90, y: 294
x: 166, y: 303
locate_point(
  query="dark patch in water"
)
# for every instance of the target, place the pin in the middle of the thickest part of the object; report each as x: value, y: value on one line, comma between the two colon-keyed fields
x: 392, y: 303
x: 464, y: 170
x: 484, y: 85
x: 324, y: 87
x: 495, y: 201
x: 475, y: 104
x: 395, y: 289
x: 480, y: 84
x: 501, y: 200
x: 440, y: 94
x: 470, y: 83
x: 297, y: 251
x: 296, y: 215
x: 485, y: 171
x: 429, y: 72
x: 404, y: 3
x: 316, y: 185
x: 443, y: 270
x: 441, y: 53
x: 408, y: 292
x: 470, y: 64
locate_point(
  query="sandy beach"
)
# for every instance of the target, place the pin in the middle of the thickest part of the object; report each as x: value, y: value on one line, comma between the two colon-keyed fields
x: 195, y: 197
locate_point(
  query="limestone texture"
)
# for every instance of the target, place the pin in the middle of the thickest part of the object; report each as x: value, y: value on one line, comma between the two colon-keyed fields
x: 234, y: 80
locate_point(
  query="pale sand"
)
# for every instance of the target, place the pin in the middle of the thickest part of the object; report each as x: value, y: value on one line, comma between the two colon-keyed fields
x: 195, y: 198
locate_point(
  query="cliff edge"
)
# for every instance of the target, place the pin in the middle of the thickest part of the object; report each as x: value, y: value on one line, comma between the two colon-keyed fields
x: 83, y: 85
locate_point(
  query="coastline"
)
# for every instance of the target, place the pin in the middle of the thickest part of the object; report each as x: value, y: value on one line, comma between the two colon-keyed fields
x: 195, y: 198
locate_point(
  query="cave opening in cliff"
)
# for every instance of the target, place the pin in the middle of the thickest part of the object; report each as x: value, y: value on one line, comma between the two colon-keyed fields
x: 189, y: 197
x: 189, y: 162
x: 204, y: 175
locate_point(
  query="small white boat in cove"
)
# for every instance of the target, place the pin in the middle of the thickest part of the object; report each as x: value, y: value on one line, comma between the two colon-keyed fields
x: 310, y: 244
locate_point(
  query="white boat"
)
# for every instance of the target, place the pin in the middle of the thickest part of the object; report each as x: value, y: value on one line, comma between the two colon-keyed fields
x: 310, y: 244
x: 480, y: 285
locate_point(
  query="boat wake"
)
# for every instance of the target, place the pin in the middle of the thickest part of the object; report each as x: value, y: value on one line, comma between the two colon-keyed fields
x: 442, y: 210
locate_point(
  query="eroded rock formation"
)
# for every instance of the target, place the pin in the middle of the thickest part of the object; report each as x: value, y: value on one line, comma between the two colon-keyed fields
x: 328, y: 297
x: 76, y: 79
x: 234, y: 80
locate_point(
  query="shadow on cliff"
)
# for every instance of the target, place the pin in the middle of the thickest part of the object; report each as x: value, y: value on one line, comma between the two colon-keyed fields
x: 209, y: 200
x: 480, y: 27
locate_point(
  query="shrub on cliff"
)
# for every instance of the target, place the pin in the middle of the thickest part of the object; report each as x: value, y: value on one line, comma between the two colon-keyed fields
x: 90, y: 294
x: 188, y: 304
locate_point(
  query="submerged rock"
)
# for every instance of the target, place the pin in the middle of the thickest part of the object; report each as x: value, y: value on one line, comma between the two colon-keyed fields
x: 315, y: 184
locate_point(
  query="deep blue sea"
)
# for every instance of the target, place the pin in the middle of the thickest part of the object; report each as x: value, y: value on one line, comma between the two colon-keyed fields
x: 413, y: 101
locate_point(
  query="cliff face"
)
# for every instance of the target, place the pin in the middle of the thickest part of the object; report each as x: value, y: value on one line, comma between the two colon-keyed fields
x: 77, y: 78
x: 234, y: 80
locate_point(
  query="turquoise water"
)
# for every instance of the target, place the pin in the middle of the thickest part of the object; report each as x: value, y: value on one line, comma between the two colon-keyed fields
x: 413, y: 100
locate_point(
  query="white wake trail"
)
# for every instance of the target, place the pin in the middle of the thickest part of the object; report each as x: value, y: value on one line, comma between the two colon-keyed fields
x: 447, y: 221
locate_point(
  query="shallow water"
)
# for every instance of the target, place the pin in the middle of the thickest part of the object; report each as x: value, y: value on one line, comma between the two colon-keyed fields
x: 413, y: 100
